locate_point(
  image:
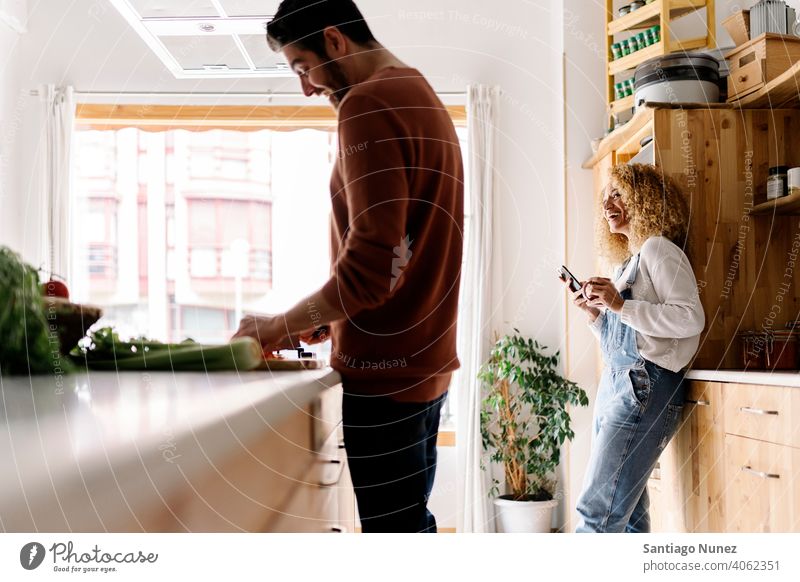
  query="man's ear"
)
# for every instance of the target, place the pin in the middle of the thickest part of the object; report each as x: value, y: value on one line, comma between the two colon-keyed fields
x: 335, y: 42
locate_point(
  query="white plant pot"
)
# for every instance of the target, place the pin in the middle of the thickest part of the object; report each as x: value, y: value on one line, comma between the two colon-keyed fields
x: 524, y: 516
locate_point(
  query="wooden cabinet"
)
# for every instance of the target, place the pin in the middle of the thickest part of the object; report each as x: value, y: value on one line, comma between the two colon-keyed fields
x: 730, y: 469
x: 768, y: 413
x: 762, y: 493
x: 687, y: 487
x: 743, y: 261
x: 294, y: 478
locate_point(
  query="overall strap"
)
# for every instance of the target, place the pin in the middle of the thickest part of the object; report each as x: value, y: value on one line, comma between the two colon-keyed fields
x: 633, y: 272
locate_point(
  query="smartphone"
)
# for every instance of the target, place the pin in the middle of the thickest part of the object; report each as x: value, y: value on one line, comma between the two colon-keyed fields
x: 565, y: 275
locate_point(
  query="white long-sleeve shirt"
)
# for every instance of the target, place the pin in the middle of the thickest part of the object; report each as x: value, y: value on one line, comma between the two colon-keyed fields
x: 665, y: 308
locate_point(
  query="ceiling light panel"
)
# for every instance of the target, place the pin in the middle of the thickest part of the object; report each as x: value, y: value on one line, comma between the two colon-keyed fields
x: 248, y: 7
x: 174, y: 8
x: 261, y: 54
x: 207, y: 38
x: 199, y: 53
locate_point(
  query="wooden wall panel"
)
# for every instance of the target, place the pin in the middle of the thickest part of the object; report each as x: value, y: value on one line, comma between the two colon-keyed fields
x: 739, y: 260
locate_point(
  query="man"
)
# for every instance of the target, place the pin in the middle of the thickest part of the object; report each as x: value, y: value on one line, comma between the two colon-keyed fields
x: 392, y: 298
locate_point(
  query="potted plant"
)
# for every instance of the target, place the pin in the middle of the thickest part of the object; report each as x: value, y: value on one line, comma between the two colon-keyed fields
x: 524, y: 422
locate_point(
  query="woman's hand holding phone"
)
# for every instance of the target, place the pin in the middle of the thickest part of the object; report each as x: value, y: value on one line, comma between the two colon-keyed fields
x: 579, y: 299
x: 602, y: 293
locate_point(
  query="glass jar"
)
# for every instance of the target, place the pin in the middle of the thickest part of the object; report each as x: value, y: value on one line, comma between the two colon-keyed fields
x: 777, y: 183
x: 769, y: 350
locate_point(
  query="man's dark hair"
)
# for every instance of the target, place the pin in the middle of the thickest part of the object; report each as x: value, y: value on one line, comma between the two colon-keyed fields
x: 301, y: 22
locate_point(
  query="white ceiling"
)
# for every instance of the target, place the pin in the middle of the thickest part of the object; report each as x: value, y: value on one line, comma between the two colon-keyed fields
x: 207, y: 39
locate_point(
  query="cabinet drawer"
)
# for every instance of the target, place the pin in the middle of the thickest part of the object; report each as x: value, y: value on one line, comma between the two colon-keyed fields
x: 763, y: 412
x: 305, y: 512
x: 746, y: 79
x: 315, y: 505
x: 244, y: 492
x: 327, y: 412
x: 762, y: 486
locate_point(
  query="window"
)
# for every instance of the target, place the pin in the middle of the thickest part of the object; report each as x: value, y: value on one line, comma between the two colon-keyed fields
x: 178, y: 232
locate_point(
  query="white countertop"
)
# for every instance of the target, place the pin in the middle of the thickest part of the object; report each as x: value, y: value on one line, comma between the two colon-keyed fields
x: 98, y: 428
x: 790, y: 378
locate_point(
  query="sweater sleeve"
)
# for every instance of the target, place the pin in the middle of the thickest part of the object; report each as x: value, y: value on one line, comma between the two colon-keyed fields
x: 597, y: 324
x: 679, y: 314
x: 373, y: 162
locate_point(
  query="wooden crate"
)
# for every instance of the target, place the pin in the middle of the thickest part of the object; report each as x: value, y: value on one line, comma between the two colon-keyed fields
x: 738, y: 26
x: 757, y: 62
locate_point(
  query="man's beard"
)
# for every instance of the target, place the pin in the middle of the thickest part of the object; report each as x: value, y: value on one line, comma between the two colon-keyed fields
x: 337, y: 80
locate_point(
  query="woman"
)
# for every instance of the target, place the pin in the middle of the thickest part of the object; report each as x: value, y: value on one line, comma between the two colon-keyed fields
x: 648, y: 319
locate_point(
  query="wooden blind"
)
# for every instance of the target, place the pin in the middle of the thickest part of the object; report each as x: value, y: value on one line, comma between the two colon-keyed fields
x: 206, y: 117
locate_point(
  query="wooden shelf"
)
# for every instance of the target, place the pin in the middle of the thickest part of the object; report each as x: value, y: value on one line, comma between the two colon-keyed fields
x: 780, y: 93
x: 622, y: 137
x: 650, y: 15
x: 662, y: 13
x: 789, y: 205
x: 622, y: 104
x: 633, y: 60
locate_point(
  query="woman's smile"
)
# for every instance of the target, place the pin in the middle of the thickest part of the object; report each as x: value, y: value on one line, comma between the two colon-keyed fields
x: 614, y: 210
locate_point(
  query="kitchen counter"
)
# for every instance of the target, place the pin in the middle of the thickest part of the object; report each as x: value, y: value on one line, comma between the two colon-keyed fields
x: 788, y: 378
x: 96, y: 451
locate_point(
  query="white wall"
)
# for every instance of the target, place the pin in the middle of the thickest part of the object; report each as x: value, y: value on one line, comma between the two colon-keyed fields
x: 584, y: 50
x: 10, y: 128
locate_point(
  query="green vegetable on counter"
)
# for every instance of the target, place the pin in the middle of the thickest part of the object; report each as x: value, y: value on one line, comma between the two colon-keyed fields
x: 27, y: 344
x: 103, y: 349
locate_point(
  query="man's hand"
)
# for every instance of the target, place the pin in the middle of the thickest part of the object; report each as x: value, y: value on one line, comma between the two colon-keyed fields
x: 268, y: 330
x: 602, y: 293
x: 315, y: 335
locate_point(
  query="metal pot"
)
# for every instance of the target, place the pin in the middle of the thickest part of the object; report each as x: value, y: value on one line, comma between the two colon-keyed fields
x: 677, y: 78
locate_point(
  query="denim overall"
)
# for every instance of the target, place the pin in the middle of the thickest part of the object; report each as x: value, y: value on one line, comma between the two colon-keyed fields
x: 637, y: 412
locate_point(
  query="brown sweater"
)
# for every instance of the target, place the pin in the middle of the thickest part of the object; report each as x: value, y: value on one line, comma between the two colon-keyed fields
x: 398, y: 206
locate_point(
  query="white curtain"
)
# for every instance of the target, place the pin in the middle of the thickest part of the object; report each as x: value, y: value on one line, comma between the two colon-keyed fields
x: 58, y: 114
x: 480, y: 310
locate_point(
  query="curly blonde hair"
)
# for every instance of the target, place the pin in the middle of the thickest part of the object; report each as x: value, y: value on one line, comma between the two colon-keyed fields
x: 656, y: 207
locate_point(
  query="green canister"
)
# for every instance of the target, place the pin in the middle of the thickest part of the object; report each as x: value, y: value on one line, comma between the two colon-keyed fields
x: 628, y: 87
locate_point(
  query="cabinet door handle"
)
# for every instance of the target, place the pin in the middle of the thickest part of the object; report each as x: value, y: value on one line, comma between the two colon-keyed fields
x: 338, y: 529
x: 761, y: 474
x: 760, y: 411
x: 698, y: 402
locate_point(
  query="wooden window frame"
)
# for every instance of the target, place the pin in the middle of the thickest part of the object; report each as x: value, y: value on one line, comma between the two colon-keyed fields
x: 207, y: 117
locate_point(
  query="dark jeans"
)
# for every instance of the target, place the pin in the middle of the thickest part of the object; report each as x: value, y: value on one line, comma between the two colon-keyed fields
x: 391, y: 451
